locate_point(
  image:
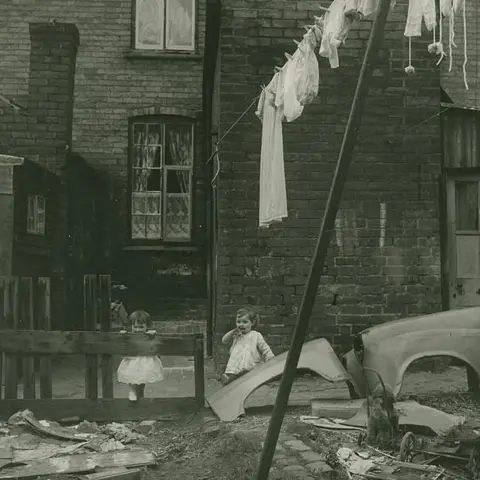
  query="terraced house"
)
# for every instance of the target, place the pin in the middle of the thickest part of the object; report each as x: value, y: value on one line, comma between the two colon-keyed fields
x: 123, y: 101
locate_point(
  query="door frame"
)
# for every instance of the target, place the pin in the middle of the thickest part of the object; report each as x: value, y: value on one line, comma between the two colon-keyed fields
x: 450, y: 228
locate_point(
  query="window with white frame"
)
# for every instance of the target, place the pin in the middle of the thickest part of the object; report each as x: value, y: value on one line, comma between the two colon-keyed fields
x: 36, y: 215
x: 165, y: 25
x: 161, y: 180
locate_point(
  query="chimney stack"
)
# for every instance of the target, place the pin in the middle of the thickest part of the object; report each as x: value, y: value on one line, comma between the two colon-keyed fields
x: 53, y: 56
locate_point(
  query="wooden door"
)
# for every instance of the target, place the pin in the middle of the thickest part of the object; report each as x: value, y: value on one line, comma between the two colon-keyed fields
x: 463, y: 207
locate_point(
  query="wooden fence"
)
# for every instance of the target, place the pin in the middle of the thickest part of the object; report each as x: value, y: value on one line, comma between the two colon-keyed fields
x: 27, y: 346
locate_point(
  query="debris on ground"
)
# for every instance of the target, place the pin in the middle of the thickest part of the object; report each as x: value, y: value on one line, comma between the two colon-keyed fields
x: 411, y: 413
x: 30, y: 447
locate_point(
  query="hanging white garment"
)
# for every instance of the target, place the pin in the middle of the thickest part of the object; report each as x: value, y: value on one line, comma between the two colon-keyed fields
x: 367, y: 7
x: 446, y: 8
x: 273, y: 192
x: 291, y: 106
x: 307, y: 74
x: 335, y: 31
x: 418, y: 11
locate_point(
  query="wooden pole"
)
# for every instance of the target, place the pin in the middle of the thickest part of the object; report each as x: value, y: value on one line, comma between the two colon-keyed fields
x: 325, y: 234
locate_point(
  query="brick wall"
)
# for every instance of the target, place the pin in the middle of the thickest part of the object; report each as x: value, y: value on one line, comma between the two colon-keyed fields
x: 397, y: 162
x: 111, y: 86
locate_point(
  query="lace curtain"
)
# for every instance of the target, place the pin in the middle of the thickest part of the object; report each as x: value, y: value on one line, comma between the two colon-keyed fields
x: 178, y: 204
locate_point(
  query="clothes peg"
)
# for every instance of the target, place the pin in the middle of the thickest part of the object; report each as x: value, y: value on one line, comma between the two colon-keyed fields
x: 307, y: 27
x: 288, y: 56
x: 296, y: 43
x: 277, y: 69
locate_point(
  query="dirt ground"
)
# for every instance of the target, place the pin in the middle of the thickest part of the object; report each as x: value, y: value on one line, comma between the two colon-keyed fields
x: 201, y: 447
x: 204, y: 448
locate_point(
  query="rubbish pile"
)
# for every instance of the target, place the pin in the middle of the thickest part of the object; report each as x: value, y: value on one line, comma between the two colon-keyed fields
x: 429, y: 444
x: 31, y: 448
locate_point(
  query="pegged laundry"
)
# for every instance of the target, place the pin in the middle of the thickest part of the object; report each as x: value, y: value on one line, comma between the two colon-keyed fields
x: 296, y: 84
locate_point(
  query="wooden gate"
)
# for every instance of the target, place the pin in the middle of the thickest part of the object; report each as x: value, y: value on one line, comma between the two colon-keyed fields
x: 27, y: 345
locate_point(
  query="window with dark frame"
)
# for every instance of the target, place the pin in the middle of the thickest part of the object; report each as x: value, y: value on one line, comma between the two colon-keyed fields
x: 36, y: 215
x: 165, y: 25
x: 161, y: 180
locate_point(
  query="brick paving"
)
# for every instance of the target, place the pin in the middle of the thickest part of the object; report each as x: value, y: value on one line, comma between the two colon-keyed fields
x: 299, y: 460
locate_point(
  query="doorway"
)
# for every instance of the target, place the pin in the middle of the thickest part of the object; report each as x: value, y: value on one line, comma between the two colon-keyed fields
x: 463, y: 230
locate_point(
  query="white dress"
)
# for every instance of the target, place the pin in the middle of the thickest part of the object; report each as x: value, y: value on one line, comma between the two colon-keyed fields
x: 246, y: 352
x: 141, y: 369
x: 273, y: 190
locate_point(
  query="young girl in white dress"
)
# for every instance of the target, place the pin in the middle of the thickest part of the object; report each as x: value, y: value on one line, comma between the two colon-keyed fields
x: 137, y: 371
x: 248, y: 347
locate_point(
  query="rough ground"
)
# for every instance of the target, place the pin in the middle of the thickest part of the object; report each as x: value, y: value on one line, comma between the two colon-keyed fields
x: 203, y: 448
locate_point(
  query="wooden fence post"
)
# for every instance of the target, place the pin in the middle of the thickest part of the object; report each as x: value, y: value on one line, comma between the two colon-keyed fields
x: 105, y: 323
x: 26, y: 322
x: 90, y: 323
x: 11, y: 317
x: 44, y: 323
x: 199, y: 365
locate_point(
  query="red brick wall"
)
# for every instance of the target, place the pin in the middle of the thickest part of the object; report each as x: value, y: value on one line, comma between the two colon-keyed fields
x: 397, y: 162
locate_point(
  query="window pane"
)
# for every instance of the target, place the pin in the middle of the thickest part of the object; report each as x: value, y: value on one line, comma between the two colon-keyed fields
x: 466, y: 202
x: 179, y: 145
x: 154, y: 134
x: 153, y: 157
x: 154, y: 203
x: 138, y: 203
x: 177, y: 222
x: 154, y: 227
x: 180, y: 24
x: 139, y: 133
x: 138, y: 226
x: 150, y: 23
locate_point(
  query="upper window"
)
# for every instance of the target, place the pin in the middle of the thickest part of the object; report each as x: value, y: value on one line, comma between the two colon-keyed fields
x: 36, y: 215
x: 165, y: 25
x: 161, y: 180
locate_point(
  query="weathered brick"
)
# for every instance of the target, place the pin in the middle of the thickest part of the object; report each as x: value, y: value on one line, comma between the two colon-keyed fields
x: 392, y: 145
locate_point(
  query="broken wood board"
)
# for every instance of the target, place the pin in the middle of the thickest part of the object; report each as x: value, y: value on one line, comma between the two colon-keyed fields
x: 52, y: 430
x: 94, y: 343
x: 82, y: 463
x: 6, y: 456
x: 116, y: 473
x: 100, y: 410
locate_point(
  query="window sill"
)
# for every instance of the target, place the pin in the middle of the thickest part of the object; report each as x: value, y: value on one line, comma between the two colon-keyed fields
x: 159, y: 54
x: 160, y: 248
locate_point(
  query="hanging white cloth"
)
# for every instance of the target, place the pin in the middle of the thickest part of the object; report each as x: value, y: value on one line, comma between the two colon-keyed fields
x: 273, y: 192
x: 418, y: 11
x: 367, y: 7
x: 291, y: 108
x: 336, y: 26
x: 307, y: 75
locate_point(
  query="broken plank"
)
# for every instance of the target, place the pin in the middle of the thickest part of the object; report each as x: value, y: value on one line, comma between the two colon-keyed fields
x: 100, y: 410
x: 81, y: 463
x: 94, y: 343
x: 117, y: 474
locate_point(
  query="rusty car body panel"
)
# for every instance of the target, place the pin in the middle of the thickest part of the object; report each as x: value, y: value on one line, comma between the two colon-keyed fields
x: 391, y: 347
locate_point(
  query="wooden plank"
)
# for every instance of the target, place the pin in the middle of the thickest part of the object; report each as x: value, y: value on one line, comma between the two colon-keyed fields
x: 100, y: 410
x: 199, y: 365
x: 44, y: 323
x: 94, y: 343
x: 105, y: 322
x: 11, y: 317
x: 26, y: 322
x: 90, y: 323
x: 80, y: 463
